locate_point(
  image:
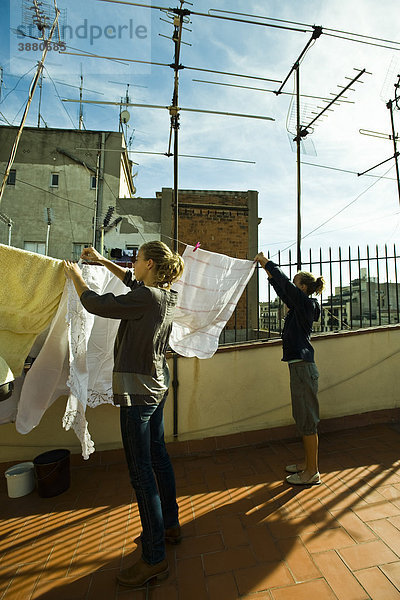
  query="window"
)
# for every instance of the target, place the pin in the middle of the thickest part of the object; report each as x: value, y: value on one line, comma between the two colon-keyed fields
x: 93, y: 182
x: 77, y: 250
x: 54, y: 180
x: 12, y: 177
x: 131, y: 251
x: 38, y: 247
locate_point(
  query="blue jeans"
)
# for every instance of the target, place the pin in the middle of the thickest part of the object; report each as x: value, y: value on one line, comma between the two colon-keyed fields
x: 151, y: 475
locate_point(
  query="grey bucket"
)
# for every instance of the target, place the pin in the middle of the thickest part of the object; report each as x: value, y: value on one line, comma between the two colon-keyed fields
x: 20, y: 480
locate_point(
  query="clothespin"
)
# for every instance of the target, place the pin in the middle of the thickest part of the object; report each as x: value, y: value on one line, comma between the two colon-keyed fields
x: 196, y: 246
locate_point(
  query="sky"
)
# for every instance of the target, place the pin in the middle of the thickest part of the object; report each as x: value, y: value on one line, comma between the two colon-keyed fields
x: 368, y: 207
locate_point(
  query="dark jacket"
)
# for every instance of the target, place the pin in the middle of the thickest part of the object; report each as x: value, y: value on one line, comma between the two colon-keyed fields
x: 140, y: 373
x: 303, y: 310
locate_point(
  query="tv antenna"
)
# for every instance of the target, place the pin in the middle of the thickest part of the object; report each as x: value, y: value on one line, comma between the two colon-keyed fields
x: 392, y: 105
x: 41, y: 22
x: 124, y: 114
x: 303, y: 130
x: 81, y: 89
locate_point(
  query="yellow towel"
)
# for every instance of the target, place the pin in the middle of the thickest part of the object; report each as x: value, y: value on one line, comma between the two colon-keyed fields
x: 30, y: 291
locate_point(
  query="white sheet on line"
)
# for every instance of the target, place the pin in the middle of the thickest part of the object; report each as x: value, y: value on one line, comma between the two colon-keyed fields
x: 210, y: 289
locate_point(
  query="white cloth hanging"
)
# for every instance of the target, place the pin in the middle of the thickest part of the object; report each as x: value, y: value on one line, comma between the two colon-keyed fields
x: 91, y: 354
x: 84, y: 372
x: 209, y: 289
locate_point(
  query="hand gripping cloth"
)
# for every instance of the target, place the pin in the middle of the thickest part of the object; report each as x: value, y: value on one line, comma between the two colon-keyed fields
x: 30, y: 292
x: 209, y: 290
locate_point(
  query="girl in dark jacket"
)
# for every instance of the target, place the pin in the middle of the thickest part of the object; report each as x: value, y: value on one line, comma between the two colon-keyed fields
x: 299, y: 354
x: 140, y: 387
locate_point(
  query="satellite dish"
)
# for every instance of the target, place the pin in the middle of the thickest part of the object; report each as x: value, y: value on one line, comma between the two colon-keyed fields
x: 125, y: 116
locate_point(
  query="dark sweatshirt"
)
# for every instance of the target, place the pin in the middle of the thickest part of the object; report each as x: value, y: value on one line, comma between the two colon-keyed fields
x: 140, y: 373
x: 303, y: 310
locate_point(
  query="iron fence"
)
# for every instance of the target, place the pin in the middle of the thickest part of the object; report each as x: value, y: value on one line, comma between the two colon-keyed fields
x: 362, y: 289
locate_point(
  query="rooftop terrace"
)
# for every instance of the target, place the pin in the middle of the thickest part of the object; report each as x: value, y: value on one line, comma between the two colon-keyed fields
x: 247, y: 534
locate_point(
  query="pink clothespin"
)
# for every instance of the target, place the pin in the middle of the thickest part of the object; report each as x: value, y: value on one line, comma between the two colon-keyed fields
x: 196, y: 246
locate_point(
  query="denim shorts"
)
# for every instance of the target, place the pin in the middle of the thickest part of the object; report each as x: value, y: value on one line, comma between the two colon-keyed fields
x: 304, y: 390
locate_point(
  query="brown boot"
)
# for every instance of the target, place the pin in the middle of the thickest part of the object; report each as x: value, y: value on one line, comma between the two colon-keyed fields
x: 173, y: 535
x: 141, y: 572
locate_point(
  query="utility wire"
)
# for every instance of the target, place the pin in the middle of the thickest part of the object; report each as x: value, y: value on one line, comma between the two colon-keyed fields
x: 16, y: 85
x: 325, y: 29
x: 347, y: 171
x: 338, y: 212
x: 58, y: 95
x: 53, y: 194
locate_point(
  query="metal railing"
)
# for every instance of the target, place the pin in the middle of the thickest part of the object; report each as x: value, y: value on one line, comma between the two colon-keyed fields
x: 362, y: 289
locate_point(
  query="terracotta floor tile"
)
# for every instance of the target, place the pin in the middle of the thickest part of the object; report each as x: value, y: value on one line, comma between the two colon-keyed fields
x: 390, y: 492
x: 392, y: 572
x: 354, y: 526
x: 103, y: 585
x: 339, y: 577
x: 23, y: 582
x: 222, y: 586
x: 304, y: 591
x: 62, y: 589
x: 298, y: 559
x: 377, y: 511
x: 280, y: 529
x: 163, y: 591
x: 388, y: 534
x: 192, y: 583
x: 377, y: 585
x: 326, y: 539
x: 263, y: 544
x: 228, y: 560
x: 200, y: 545
x: 262, y: 577
x: 367, y: 555
x: 207, y: 523
x: 233, y: 532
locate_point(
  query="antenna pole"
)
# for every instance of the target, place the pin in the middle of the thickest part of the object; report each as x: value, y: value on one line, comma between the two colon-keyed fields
x: 48, y: 212
x: 298, y: 148
x: 1, y: 81
x: 396, y: 154
x: 80, y: 104
x: 32, y: 89
x: 40, y: 98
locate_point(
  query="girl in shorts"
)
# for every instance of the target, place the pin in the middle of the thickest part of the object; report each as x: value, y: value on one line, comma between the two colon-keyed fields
x: 299, y: 354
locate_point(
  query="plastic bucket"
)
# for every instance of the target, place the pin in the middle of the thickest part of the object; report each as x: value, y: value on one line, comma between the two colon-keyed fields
x: 52, y: 472
x: 20, y: 479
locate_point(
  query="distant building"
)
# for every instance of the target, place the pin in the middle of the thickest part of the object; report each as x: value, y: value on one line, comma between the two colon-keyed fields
x: 61, y: 187
x: 364, y: 303
x: 222, y: 221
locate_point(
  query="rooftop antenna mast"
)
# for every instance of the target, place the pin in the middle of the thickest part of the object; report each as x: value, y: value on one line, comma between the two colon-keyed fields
x: 81, y: 126
x: 302, y: 131
x: 40, y: 20
x: 392, y: 105
x: 1, y: 81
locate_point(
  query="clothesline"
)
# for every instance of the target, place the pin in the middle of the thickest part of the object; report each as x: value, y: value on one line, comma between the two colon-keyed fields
x: 76, y: 358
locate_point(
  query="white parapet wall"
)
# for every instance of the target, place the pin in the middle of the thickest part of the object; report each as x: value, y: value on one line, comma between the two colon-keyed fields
x: 242, y: 388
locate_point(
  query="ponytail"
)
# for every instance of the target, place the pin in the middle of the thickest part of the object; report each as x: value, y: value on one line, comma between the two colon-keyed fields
x: 169, y: 264
x: 314, y: 285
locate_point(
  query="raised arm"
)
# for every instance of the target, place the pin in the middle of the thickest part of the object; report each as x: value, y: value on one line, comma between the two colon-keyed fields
x: 91, y: 255
x: 279, y: 281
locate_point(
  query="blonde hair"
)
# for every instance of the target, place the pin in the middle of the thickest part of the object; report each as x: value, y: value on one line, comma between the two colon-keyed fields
x: 315, y: 285
x: 169, y: 264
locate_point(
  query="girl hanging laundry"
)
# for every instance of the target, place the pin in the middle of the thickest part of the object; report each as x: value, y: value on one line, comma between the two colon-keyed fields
x: 299, y: 354
x: 140, y: 387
